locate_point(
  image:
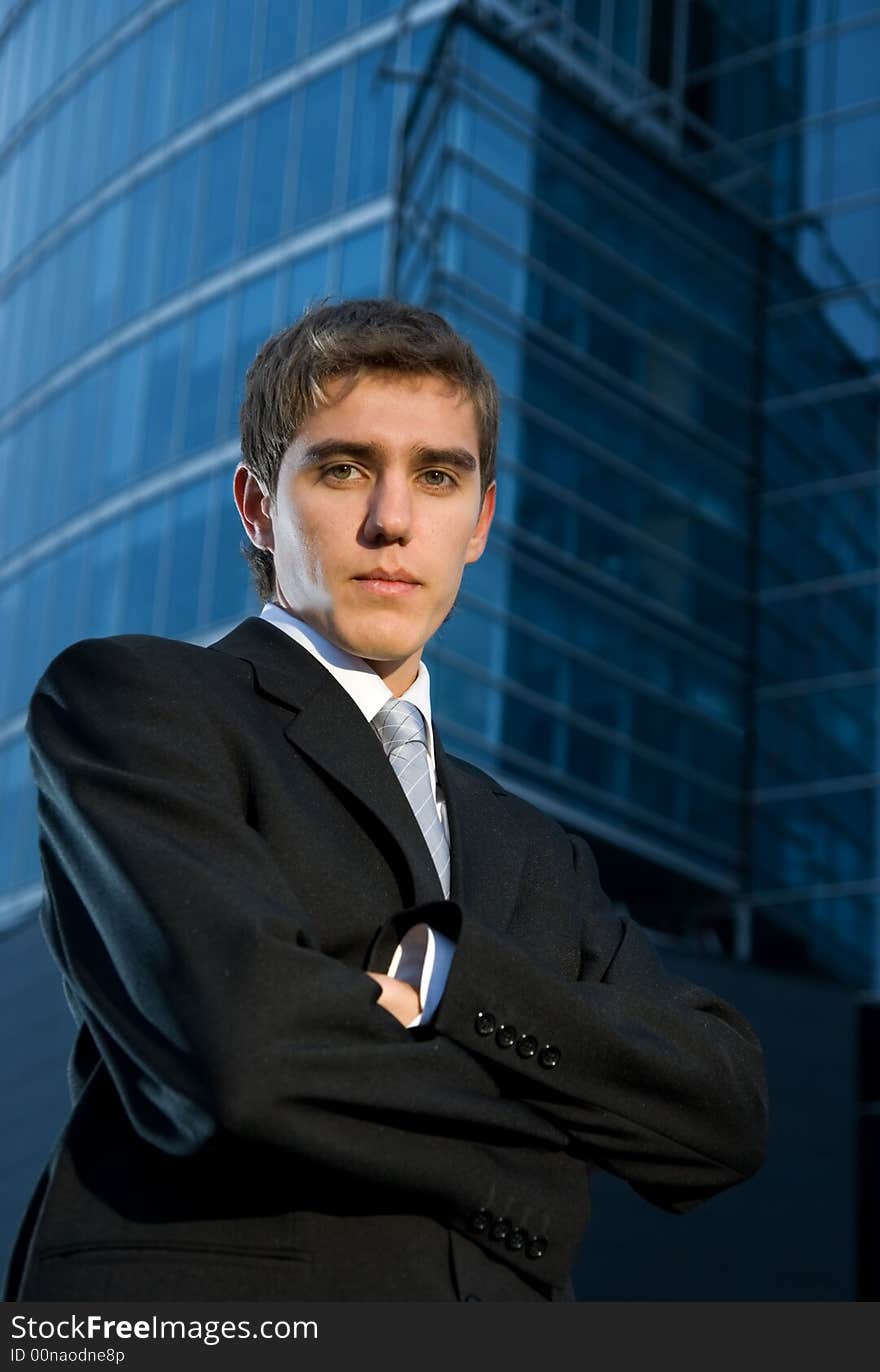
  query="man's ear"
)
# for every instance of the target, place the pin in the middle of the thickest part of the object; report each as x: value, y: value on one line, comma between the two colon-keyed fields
x: 254, y: 507
x: 477, y: 540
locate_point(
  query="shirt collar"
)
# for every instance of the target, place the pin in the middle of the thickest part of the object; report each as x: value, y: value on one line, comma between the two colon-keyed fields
x: 357, y: 677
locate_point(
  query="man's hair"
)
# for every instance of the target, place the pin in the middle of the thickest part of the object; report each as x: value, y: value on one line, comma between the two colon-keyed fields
x: 284, y: 383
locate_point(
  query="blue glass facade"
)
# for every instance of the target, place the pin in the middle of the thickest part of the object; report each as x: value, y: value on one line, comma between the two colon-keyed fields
x: 684, y: 574
x: 623, y: 334
x: 188, y: 176
x: 659, y: 223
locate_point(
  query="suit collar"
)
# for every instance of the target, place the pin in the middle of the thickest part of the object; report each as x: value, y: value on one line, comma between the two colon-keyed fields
x: 364, y: 685
x: 331, y: 731
x: 282, y: 667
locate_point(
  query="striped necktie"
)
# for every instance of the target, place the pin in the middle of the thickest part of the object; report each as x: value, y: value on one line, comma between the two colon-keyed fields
x: 401, y: 728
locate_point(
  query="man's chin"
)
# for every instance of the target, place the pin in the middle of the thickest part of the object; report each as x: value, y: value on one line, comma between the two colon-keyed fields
x: 381, y: 650
x: 375, y: 645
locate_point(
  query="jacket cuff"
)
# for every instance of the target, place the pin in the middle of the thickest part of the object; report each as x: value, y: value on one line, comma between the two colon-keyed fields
x: 501, y: 1003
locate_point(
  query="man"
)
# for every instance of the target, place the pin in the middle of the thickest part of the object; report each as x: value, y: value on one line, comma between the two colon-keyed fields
x: 354, y: 1021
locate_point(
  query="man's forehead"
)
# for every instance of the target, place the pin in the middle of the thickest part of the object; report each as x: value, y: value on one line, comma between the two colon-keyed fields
x: 324, y: 418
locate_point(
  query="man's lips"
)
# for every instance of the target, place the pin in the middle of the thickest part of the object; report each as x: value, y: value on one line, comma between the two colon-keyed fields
x: 386, y: 574
x: 386, y: 583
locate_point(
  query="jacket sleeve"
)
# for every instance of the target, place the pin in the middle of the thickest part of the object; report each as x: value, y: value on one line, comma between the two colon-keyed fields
x: 651, y: 1077
x: 190, y: 961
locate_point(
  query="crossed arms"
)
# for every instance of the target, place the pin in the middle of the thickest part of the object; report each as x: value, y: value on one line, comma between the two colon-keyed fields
x: 204, y: 987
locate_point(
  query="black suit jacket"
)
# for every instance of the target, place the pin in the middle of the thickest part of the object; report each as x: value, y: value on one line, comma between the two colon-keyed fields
x: 226, y: 850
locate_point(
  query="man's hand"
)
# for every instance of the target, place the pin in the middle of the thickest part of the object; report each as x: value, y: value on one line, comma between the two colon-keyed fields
x: 399, y: 998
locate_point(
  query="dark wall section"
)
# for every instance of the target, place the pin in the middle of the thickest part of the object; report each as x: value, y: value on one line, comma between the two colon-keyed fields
x: 788, y: 1234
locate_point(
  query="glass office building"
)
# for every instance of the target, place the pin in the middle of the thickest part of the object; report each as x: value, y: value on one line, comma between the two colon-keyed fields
x: 659, y: 223
x: 682, y: 582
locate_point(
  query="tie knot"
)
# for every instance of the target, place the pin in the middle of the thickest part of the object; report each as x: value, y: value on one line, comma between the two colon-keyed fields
x: 399, y: 722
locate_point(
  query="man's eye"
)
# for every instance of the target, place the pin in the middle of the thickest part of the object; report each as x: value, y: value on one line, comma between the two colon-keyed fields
x: 445, y: 478
x: 340, y: 470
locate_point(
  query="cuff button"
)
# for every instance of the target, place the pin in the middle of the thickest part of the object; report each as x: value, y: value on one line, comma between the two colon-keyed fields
x: 536, y: 1246
x: 479, y: 1221
x: 516, y: 1240
x: 527, y: 1045
x: 506, y: 1036
x: 500, y: 1229
x: 549, y: 1056
x: 484, y: 1023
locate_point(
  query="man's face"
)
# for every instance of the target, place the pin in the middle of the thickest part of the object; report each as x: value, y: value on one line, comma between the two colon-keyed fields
x: 385, y: 478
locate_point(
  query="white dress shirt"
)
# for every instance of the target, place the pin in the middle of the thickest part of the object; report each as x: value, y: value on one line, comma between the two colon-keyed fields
x: 423, y: 956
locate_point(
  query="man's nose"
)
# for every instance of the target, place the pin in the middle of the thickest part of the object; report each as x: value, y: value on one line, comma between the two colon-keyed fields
x: 389, y: 515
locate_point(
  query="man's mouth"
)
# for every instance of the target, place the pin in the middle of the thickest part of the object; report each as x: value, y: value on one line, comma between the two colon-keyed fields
x: 387, y: 581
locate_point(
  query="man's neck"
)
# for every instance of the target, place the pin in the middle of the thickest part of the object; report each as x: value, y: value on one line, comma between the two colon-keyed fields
x: 397, y: 675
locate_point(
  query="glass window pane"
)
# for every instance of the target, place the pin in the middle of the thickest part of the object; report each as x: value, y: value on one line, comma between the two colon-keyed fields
x: 855, y: 69
x: 159, y: 55
x: 222, y: 167
x: 11, y: 602
x: 29, y: 659
x: 7, y: 477
x: 270, y: 157
x: 73, y: 111
x: 125, y: 402
x: 855, y: 159
x: 107, y: 232
x: 329, y: 21
x: 279, y: 47
x: 52, y: 429
x: 66, y: 177
x: 205, y: 357
x: 254, y: 327
x: 317, y: 163
x: 308, y: 282
x: 363, y: 263
x: 107, y: 14
x: 189, y: 509
x: 147, y: 530
x: 85, y: 438
x: 32, y: 504
x: 74, y: 268
x: 62, y: 617
x: 140, y: 257
x: 371, y: 135
x: 178, y: 218
x: 91, y: 133
x: 102, y: 595
x: 163, y: 369
x: 195, y: 49
x: 119, y: 120
x: 235, y: 51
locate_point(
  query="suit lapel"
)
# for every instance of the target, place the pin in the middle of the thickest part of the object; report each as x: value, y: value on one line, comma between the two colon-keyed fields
x: 331, y: 732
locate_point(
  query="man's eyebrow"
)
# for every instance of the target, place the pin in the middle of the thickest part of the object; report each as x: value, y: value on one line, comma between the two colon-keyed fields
x: 332, y: 447
x: 371, y: 452
x: 452, y: 457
